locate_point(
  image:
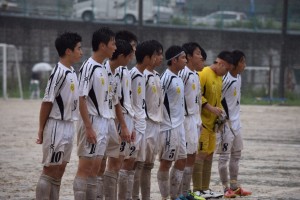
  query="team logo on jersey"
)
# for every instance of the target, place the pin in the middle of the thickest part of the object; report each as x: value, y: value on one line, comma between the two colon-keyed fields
x: 194, y: 86
x: 72, y: 87
x: 154, y: 89
x: 102, y: 80
x: 139, y: 89
x: 234, y: 92
x: 178, y: 90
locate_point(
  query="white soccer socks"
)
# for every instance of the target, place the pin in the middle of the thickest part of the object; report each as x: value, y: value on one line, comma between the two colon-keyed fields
x: 44, y: 188
x: 110, y: 184
x: 122, y: 184
x: 175, y: 181
x: 79, y: 188
x: 146, y: 180
x: 91, y: 191
x: 99, y: 188
x: 137, y: 180
x: 186, y: 180
x: 163, y: 183
x: 130, y: 184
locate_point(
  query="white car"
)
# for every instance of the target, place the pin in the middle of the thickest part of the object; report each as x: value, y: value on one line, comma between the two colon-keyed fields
x: 225, y: 17
x: 162, y: 14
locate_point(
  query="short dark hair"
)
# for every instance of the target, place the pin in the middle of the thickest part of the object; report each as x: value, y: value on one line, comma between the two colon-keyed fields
x: 203, y: 53
x: 237, y: 55
x: 171, y: 52
x: 102, y: 35
x: 158, y: 46
x: 123, y: 47
x: 143, y: 49
x: 126, y: 35
x: 66, y: 40
x: 226, y: 56
x: 190, y: 47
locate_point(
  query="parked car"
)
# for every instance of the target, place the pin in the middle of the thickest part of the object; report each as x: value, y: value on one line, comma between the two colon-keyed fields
x: 225, y: 17
x: 127, y: 10
x: 162, y: 14
x: 9, y: 6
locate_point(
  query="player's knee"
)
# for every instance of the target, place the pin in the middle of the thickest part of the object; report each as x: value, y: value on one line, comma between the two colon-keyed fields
x: 236, y: 155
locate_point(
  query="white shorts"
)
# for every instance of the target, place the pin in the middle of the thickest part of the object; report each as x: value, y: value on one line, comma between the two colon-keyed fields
x: 112, y: 148
x: 192, y: 132
x: 58, y: 138
x: 86, y: 149
x: 124, y: 147
x: 172, y: 144
x: 151, y: 134
x: 228, y: 142
x: 137, y: 148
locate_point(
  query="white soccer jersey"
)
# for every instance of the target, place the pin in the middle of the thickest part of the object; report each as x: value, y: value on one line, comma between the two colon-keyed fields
x: 62, y: 91
x: 138, y: 99
x: 113, y: 90
x: 173, y: 102
x: 231, y: 96
x: 192, y: 92
x: 93, y: 84
x: 153, y: 96
x: 125, y: 95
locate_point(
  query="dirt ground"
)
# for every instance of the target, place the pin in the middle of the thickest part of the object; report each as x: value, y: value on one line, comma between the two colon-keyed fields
x: 270, y: 164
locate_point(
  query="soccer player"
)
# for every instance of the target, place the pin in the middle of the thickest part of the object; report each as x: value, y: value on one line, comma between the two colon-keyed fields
x: 230, y: 142
x: 94, y: 109
x: 124, y: 78
x: 211, y: 86
x: 121, y: 57
x: 153, y: 108
x: 145, y: 56
x: 172, y: 137
x: 192, y: 105
x: 58, y: 112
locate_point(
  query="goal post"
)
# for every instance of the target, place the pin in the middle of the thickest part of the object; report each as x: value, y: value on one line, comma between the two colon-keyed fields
x: 4, y: 47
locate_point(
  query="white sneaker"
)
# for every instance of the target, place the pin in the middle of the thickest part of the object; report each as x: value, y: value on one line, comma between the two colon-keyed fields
x: 210, y: 194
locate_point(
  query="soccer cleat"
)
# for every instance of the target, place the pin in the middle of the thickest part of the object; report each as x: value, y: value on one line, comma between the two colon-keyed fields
x: 210, y: 194
x: 182, y: 197
x: 197, y: 195
x: 229, y: 193
x: 242, y: 192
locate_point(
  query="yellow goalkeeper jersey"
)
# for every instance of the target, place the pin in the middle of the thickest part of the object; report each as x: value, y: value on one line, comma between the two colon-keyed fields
x: 211, y: 87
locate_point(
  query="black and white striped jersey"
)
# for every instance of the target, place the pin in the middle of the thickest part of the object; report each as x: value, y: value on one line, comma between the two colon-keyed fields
x: 231, y: 96
x: 93, y: 84
x: 153, y: 96
x: 62, y: 91
x: 173, y: 100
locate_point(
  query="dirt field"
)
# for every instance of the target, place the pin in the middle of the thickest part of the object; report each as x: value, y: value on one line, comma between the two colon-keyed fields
x: 270, y: 164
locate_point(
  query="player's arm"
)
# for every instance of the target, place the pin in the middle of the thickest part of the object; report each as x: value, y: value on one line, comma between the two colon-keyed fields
x: 89, y: 131
x: 125, y: 135
x: 205, y: 105
x: 44, y: 115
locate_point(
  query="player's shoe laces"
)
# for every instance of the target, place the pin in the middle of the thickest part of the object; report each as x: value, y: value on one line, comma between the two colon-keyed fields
x: 210, y: 194
x: 242, y: 192
x: 229, y: 193
x: 197, y: 195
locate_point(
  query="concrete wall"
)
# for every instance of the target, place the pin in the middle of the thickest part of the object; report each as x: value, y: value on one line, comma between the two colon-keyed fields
x: 35, y: 40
